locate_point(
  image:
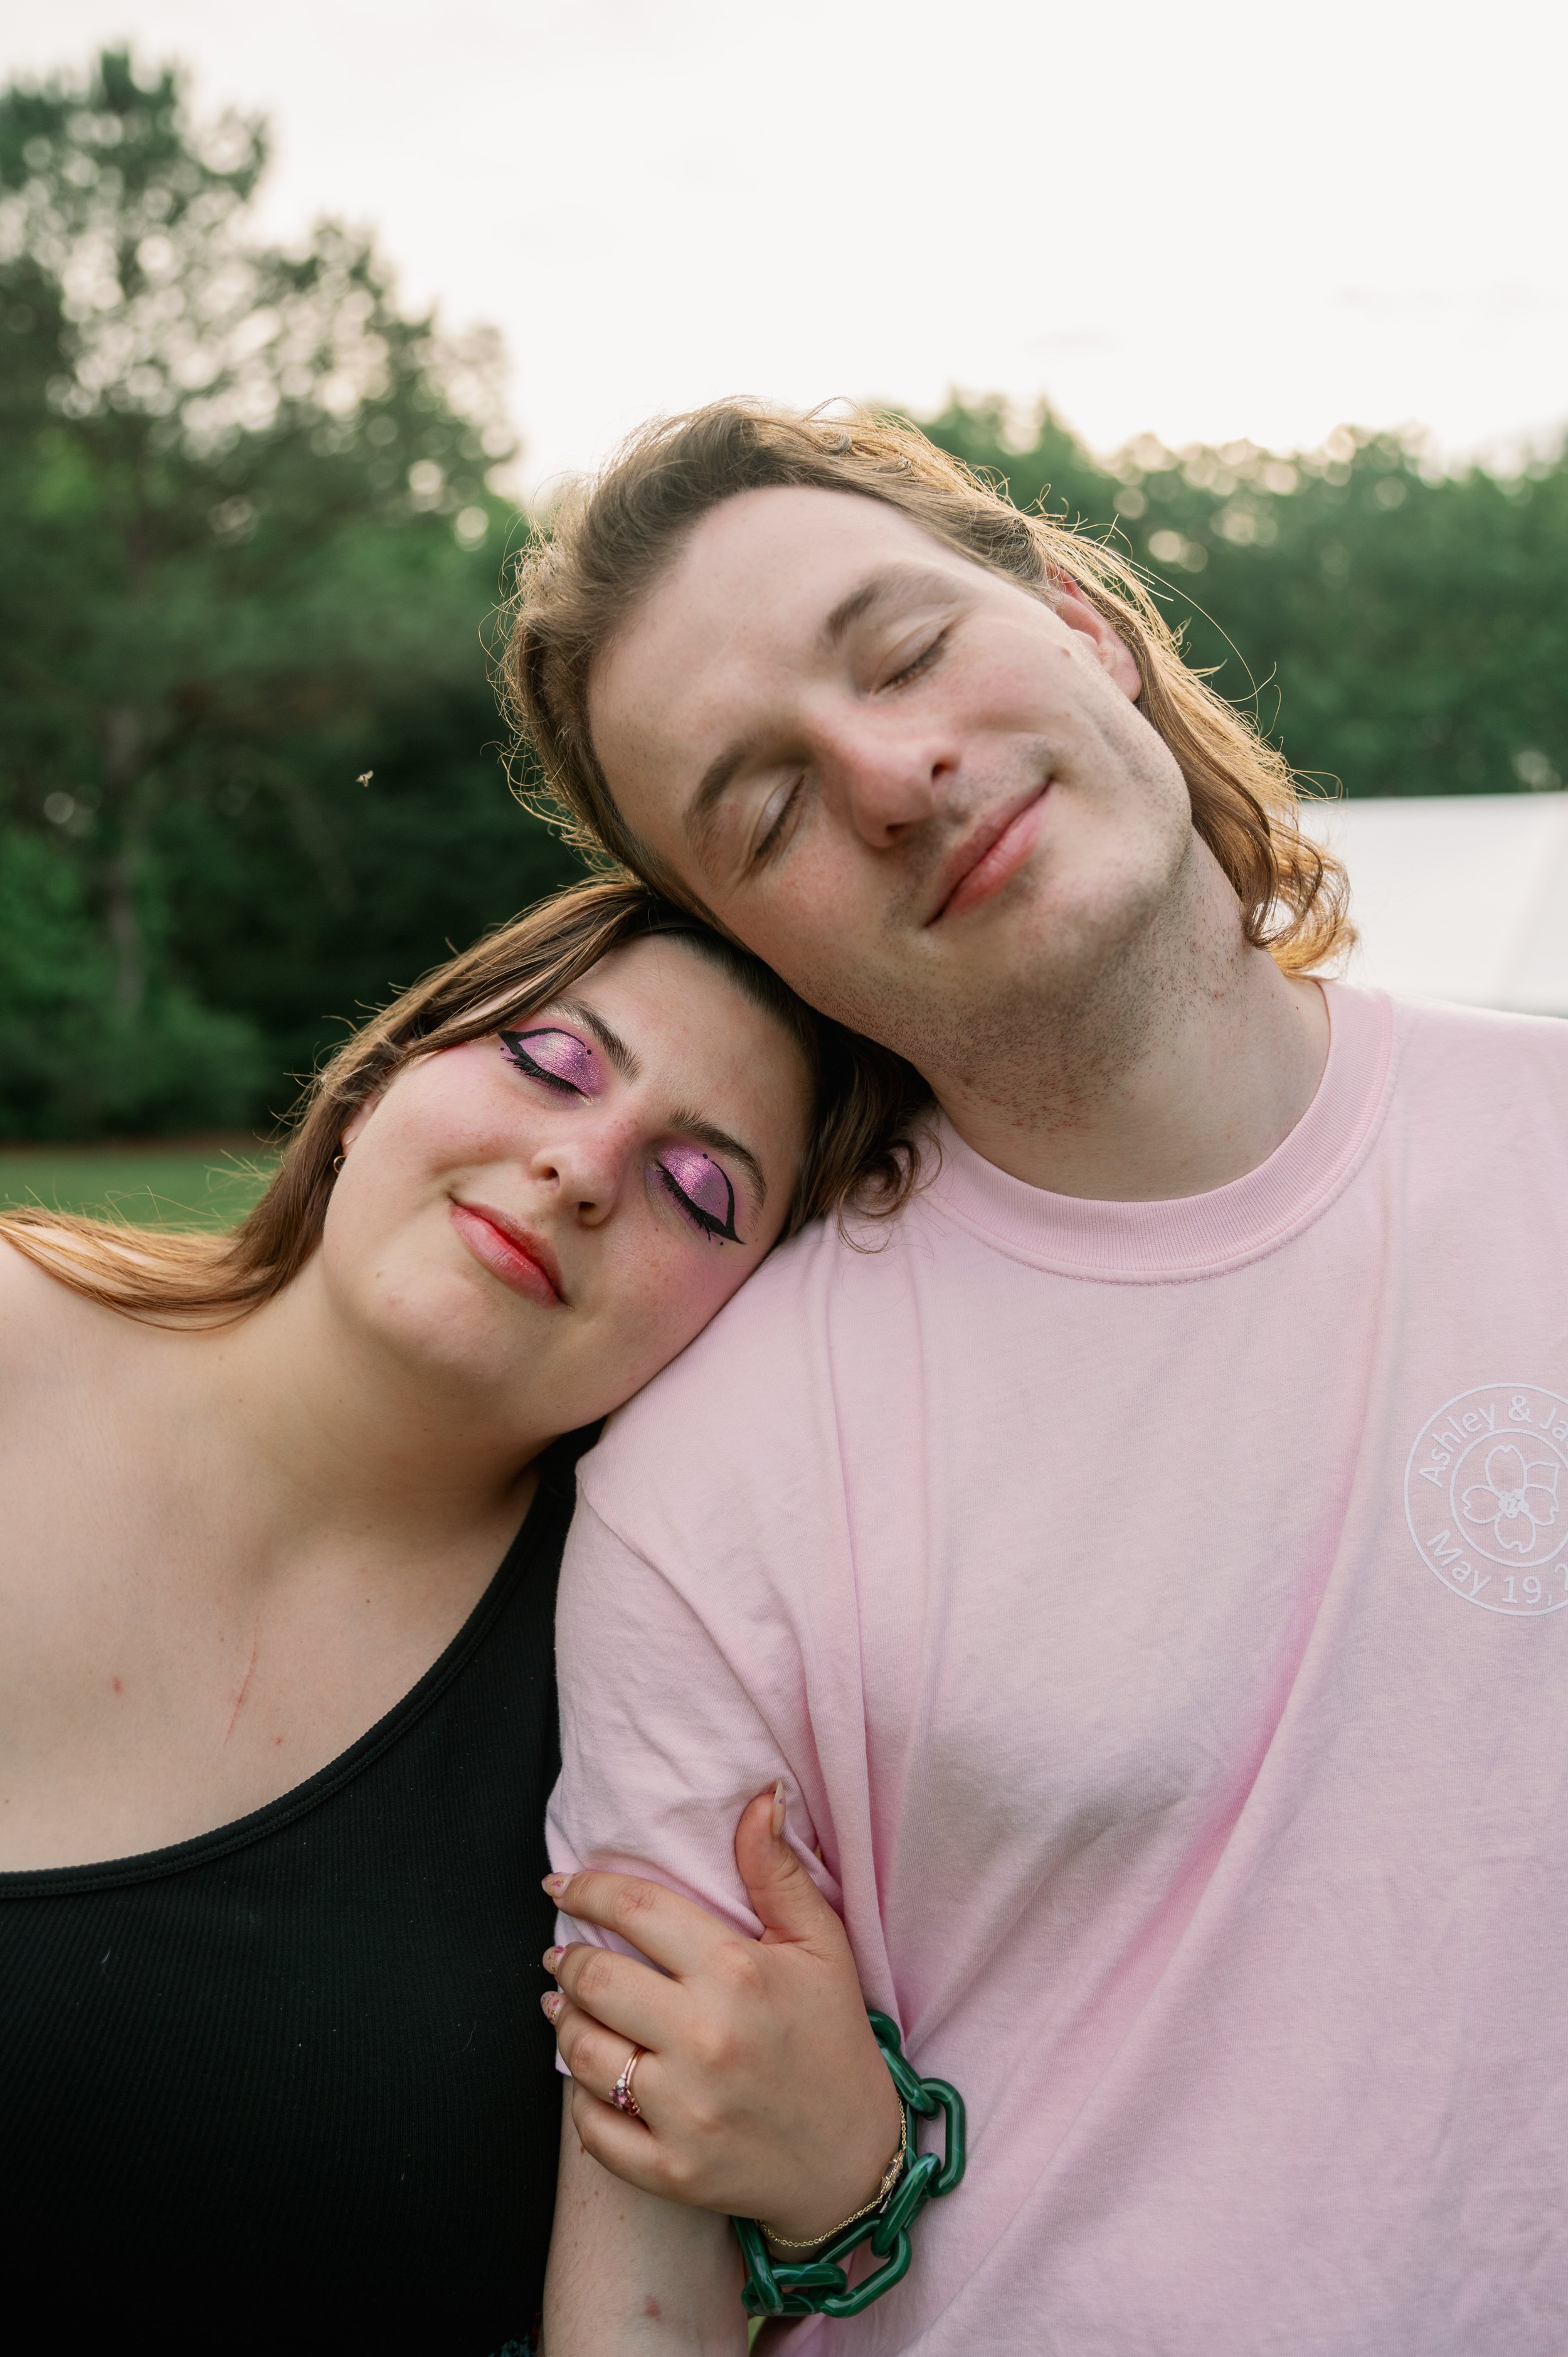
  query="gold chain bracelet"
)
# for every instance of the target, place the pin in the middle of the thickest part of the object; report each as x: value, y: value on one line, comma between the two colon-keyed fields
x: 890, y: 2176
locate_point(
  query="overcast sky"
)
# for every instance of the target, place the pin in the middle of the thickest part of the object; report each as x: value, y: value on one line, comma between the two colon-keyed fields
x: 1221, y: 219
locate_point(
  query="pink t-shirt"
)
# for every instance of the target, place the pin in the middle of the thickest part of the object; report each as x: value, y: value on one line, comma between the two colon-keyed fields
x: 1157, y: 1611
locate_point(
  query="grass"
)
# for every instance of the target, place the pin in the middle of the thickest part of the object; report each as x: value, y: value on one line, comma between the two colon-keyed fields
x: 198, y: 1182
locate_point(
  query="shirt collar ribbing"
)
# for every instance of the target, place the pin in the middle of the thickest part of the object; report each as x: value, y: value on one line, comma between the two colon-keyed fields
x: 1193, y: 1235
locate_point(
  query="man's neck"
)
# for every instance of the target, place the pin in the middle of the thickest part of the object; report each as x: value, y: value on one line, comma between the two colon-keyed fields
x: 1186, y: 1074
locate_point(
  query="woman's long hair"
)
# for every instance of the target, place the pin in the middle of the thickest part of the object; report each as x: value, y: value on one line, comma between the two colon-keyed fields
x: 860, y: 1143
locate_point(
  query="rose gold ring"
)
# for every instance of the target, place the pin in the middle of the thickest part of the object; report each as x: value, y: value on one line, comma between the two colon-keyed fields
x: 621, y: 2095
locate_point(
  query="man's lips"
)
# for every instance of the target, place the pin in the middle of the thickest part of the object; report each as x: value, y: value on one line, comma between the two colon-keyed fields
x: 994, y: 851
x: 509, y: 1251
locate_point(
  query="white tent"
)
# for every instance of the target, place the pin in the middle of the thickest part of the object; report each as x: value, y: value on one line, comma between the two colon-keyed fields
x: 1458, y: 896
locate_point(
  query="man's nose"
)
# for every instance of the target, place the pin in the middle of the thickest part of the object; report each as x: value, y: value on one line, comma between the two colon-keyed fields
x: 888, y: 779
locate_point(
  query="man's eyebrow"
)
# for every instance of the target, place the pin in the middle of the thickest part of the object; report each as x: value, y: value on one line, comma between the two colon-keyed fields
x: 719, y: 1141
x: 895, y: 585
x: 610, y: 1041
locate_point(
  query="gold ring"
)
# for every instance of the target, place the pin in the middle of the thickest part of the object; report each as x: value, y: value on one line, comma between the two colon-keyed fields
x: 621, y: 2095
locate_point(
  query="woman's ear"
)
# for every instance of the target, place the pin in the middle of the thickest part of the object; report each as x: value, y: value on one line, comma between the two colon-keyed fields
x: 1114, y: 655
x: 356, y: 1120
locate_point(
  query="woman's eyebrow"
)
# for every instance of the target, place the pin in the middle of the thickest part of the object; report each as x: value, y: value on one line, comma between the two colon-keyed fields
x: 719, y: 1141
x: 609, y: 1040
x: 692, y: 1124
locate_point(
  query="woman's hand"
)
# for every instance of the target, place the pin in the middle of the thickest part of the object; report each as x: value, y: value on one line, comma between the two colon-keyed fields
x: 761, y: 2088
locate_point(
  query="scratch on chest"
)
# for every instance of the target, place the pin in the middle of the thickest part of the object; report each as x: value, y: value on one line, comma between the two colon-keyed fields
x: 240, y: 1697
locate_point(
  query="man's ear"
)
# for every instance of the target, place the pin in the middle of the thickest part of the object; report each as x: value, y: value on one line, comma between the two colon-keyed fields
x: 1111, y: 651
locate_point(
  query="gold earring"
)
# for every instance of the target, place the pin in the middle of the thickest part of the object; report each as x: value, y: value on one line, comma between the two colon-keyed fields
x: 339, y: 1163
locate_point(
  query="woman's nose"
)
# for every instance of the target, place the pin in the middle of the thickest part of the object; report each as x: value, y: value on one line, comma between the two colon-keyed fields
x: 585, y: 1160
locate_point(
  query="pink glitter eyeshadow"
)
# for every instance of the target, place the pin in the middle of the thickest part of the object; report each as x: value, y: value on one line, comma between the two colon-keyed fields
x: 557, y: 1055
x: 702, y: 1182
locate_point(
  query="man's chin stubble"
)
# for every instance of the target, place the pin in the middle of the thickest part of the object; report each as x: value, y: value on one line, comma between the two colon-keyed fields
x: 1052, y: 1042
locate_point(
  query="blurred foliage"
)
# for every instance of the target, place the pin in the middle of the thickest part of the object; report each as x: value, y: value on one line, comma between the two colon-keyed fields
x: 252, y: 542
x: 1399, y: 630
x: 251, y: 549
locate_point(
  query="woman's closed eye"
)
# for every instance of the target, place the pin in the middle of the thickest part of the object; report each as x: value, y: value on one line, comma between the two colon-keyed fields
x: 702, y: 1189
x: 563, y: 1062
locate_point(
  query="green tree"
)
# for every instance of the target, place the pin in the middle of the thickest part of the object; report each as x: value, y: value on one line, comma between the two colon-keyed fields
x: 251, y: 547
x: 1399, y: 629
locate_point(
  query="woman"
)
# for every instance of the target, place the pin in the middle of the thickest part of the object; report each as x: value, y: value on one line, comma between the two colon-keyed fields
x: 276, y: 1734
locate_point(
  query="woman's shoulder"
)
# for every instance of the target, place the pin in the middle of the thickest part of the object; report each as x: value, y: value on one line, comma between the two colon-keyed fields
x: 34, y: 1305
x: 47, y: 1329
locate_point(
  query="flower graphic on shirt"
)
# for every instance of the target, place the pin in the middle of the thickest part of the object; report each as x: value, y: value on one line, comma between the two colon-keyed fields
x: 1517, y: 1499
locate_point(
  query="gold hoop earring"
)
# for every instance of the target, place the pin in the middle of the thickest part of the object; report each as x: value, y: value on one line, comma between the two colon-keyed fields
x: 338, y: 1163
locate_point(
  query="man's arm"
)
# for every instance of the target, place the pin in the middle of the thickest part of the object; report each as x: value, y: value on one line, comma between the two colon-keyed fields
x: 630, y: 2273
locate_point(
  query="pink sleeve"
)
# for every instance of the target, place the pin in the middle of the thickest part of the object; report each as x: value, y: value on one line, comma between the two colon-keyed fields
x: 662, y: 1744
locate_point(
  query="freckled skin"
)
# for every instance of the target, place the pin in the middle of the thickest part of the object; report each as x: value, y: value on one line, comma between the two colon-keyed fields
x: 356, y: 1454
x: 559, y: 1059
x: 1023, y: 691
x: 575, y: 1157
x: 927, y: 795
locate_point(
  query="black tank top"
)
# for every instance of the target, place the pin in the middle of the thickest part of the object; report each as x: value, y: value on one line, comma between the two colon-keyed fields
x: 288, y: 2086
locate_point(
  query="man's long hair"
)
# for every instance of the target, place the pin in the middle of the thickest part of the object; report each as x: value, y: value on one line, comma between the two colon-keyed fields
x: 611, y: 538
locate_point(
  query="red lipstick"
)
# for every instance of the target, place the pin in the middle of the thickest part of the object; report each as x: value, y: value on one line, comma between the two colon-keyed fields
x: 509, y: 1251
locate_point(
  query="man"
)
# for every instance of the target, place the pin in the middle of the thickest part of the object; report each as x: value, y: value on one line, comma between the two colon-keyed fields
x: 1142, y: 1557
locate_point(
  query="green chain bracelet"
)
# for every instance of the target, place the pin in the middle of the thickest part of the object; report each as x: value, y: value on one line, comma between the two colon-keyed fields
x: 820, y: 2287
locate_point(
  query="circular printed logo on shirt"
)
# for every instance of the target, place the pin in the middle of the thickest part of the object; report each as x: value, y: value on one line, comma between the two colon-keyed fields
x: 1486, y: 1496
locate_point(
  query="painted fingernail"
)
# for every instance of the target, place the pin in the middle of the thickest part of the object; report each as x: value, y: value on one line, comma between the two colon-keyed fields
x: 556, y: 1883
x: 776, y: 1822
x: 550, y: 2006
x: 553, y: 1957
